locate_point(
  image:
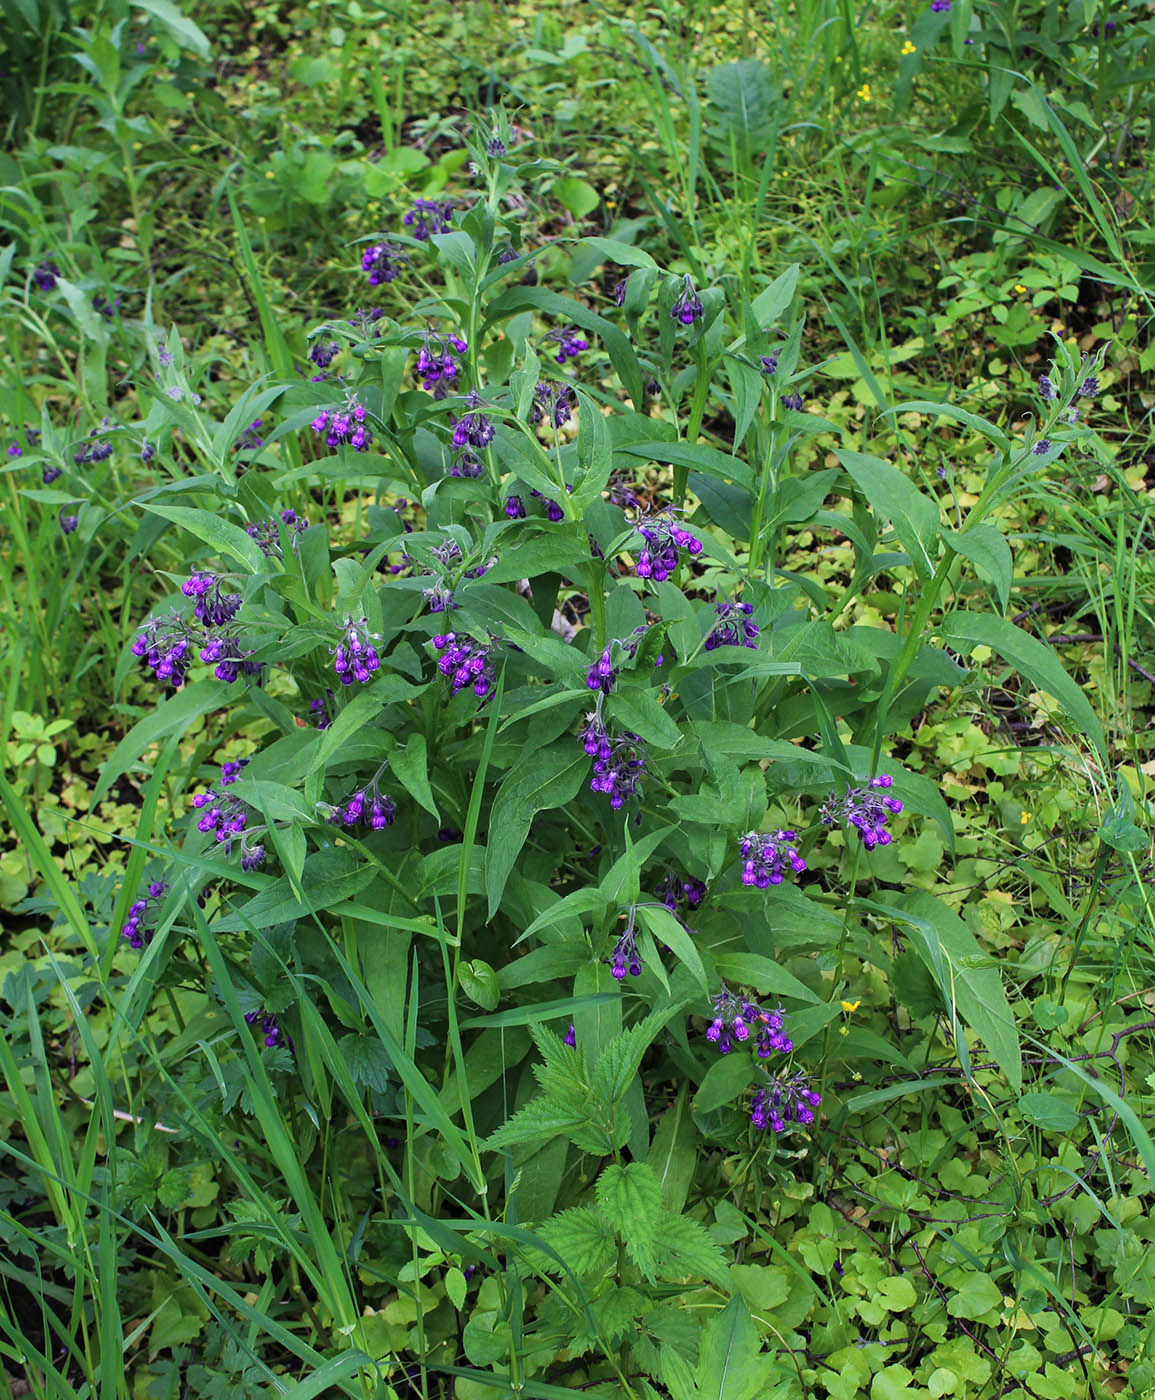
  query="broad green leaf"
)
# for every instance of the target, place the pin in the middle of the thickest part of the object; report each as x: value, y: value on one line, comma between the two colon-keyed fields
x: 542, y: 779
x: 915, y: 516
x: 182, y: 29
x: 686, y: 1250
x: 989, y: 552
x: 965, y: 630
x: 665, y: 927
x: 578, y: 196
x: 583, y: 1237
x: 638, y: 710
x: 731, y: 1365
x: 724, y: 1081
x: 763, y: 975
x: 222, y: 535
x: 673, y: 1153
x: 630, y: 1198
x: 624, y: 254
x: 769, y: 305
x: 411, y: 765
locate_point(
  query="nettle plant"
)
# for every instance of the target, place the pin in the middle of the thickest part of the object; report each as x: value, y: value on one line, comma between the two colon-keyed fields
x: 543, y: 837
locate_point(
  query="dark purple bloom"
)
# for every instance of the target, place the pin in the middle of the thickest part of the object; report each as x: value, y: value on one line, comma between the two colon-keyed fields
x: 166, y: 645
x: 866, y: 809
x: 230, y: 661
x: 231, y: 770
x: 268, y: 536
x: 137, y: 927
x: 473, y: 429
x: 106, y: 308
x: 323, y: 352
x: 429, y: 216
x: 1047, y: 388
x: 272, y: 1030
x: 437, y: 366
x: 147, y: 451
x: 68, y: 523
x: 767, y: 855
x: 382, y: 261
x: 507, y: 255
x: 344, y: 425
x: 939, y: 6
x: 688, y: 307
x: 355, y: 657
x: 250, y: 440
x: 367, y: 807
x: 571, y: 1037
x: 515, y: 507
x: 769, y: 362
x: 620, y: 291
x: 319, y: 709
x: 225, y: 817
x: 674, y: 892
x: 1089, y: 387
x: 495, y: 148
x: 439, y: 598
x: 1042, y: 447
x: 465, y: 662
x: 625, y: 954
x: 366, y: 321
x: 735, y: 627
x: 15, y: 450
x: 91, y: 449
x: 551, y: 401
x: 737, y: 1017
x: 569, y: 343
x: 792, y: 401
x: 619, y: 760
x: 466, y: 463
x: 664, y: 538
x: 252, y: 857
x: 213, y: 608
x: 45, y: 276
x: 787, y: 1098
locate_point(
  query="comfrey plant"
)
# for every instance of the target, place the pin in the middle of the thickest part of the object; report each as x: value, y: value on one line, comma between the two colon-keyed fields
x: 545, y: 652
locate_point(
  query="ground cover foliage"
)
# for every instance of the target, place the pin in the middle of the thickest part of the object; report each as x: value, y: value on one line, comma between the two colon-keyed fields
x: 578, y: 661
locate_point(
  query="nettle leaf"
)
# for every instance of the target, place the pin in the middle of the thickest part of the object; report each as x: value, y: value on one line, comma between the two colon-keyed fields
x: 583, y: 1237
x: 630, y: 1200
x: 686, y: 1250
x: 617, y: 1065
x: 368, y: 1061
x: 913, y: 514
x: 540, y: 1120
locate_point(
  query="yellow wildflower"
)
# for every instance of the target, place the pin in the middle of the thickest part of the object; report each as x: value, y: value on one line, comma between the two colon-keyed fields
x: 850, y: 1007
x: 1020, y: 288
x: 1025, y: 818
x: 864, y: 93
x: 908, y: 47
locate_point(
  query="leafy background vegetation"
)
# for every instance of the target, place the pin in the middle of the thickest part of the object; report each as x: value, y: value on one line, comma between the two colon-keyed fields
x: 419, y: 1186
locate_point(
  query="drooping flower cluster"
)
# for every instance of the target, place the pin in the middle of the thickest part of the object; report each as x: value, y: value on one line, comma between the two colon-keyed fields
x: 137, y: 927
x: 224, y: 650
x: 569, y: 343
x: 213, y: 608
x: 267, y: 535
x: 551, y: 401
x: 735, y: 627
x: 323, y: 352
x: 625, y: 955
x: 227, y: 818
x: 677, y: 892
x: 866, y: 809
x: 619, y: 760
x: 250, y: 440
x: 603, y: 674
x: 436, y: 366
x: 366, y: 807
x: 355, y: 657
x: 166, y: 644
x: 93, y: 449
x: 319, y: 710
x: 270, y: 1028
x: 69, y: 523
x: 665, y: 540
x: 465, y: 662
x: 736, y: 1018
x: 345, y: 425
x: 784, y: 1099
x: 382, y: 261
x: 103, y: 307
x: 767, y: 854
x: 688, y: 308
x: 429, y: 216
x: 45, y: 275
x: 473, y: 430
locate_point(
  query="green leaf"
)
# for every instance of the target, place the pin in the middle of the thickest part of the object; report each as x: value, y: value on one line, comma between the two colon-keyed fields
x: 222, y: 535
x: 368, y: 1061
x: 540, y: 1120
x: 743, y: 103
x: 624, y: 254
x: 411, y: 765
x: 630, y: 1198
x: 578, y: 196
x: 329, y: 876
x: 541, y: 779
x: 183, y: 30
x: 946, y: 943
x: 914, y: 515
x: 673, y: 1153
x: 479, y: 982
x: 762, y: 974
x: 663, y: 925
x: 583, y: 1237
x: 175, y: 713
x: 617, y: 1065
x: 1048, y: 1111
x: 769, y: 305
x: 639, y: 711
x: 965, y: 630
x: 725, y: 1080
x: 686, y: 1250
x: 989, y: 552
x: 696, y: 456
x: 731, y: 1365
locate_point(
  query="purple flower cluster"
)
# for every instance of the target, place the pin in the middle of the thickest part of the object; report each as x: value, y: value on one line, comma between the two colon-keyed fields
x: 784, y: 1099
x: 227, y: 818
x: 736, y: 1017
x: 603, y: 674
x: 344, y: 425
x: 688, y: 307
x: 103, y: 307
x: 231, y: 770
x: 465, y: 662
x: 664, y: 539
x: 766, y: 855
x: 136, y: 928
x: 69, y: 524
x: 1047, y: 390
x: 382, y: 261
x: 473, y: 429
x: 625, y: 955
x: 436, y: 366
x: 166, y: 645
x: 429, y: 216
x: 569, y: 343
x: 734, y: 628
x: 45, y: 275
x: 619, y: 760
x: 319, y: 710
x: 553, y: 509
x: 866, y: 809
x: 93, y: 450
x: 250, y: 440
x: 322, y: 353
x: 367, y: 807
x: 267, y: 535
x: 213, y: 608
x: 769, y: 363
x: 551, y: 401
x: 675, y: 892
x: 223, y: 652
x: 355, y: 657
x: 270, y: 1028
